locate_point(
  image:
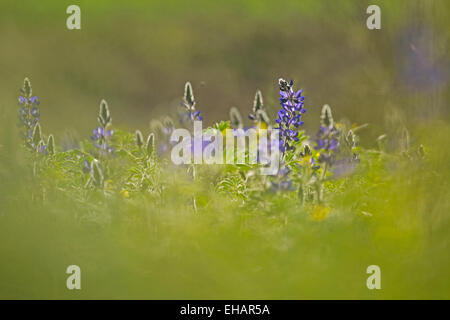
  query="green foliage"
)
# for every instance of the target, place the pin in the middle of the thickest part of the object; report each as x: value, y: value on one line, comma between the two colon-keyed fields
x: 222, y: 125
x: 136, y: 218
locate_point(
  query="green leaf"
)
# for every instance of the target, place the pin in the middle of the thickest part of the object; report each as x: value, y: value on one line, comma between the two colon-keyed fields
x: 222, y: 125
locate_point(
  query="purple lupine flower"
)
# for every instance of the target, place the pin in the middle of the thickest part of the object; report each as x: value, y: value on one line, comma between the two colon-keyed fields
x: 23, y: 100
x: 191, y: 116
x: 101, y: 134
x: 104, y: 147
x: 327, y: 138
x: 289, y: 116
x: 28, y: 114
x: 312, y: 164
x: 282, y: 181
x: 43, y: 149
x: 100, y: 137
x: 196, y: 116
x: 86, y: 166
x: 346, y: 166
x: 34, y: 100
x: 35, y: 112
x: 327, y: 142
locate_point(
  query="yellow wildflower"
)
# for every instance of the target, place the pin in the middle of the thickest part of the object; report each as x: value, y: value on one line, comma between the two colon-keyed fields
x: 320, y: 213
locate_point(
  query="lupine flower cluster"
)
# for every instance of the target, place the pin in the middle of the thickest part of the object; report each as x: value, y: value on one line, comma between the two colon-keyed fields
x: 327, y: 137
x: 289, y: 116
x: 101, y: 134
x: 28, y: 114
x: 29, y: 121
x: 298, y: 169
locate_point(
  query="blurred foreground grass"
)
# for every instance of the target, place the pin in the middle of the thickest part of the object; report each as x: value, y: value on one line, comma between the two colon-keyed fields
x: 156, y: 248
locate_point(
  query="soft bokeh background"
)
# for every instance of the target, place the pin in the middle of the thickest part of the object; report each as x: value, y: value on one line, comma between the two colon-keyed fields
x: 138, y: 55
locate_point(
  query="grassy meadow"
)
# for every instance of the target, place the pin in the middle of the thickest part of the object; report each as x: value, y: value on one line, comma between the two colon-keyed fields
x: 140, y: 227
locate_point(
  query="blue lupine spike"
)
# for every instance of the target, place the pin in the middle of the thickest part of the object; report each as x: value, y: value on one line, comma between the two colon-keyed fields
x: 289, y: 115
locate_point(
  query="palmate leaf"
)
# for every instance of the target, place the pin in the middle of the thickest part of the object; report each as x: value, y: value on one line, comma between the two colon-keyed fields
x: 233, y: 185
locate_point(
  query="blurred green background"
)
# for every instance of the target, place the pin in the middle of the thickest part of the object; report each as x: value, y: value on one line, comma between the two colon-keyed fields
x: 138, y: 55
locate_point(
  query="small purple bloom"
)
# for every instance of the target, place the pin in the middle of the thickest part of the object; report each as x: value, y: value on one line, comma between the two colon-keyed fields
x: 327, y: 140
x: 34, y: 100
x: 282, y: 181
x: 86, y: 166
x: 43, y: 149
x: 23, y: 100
x: 35, y: 112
